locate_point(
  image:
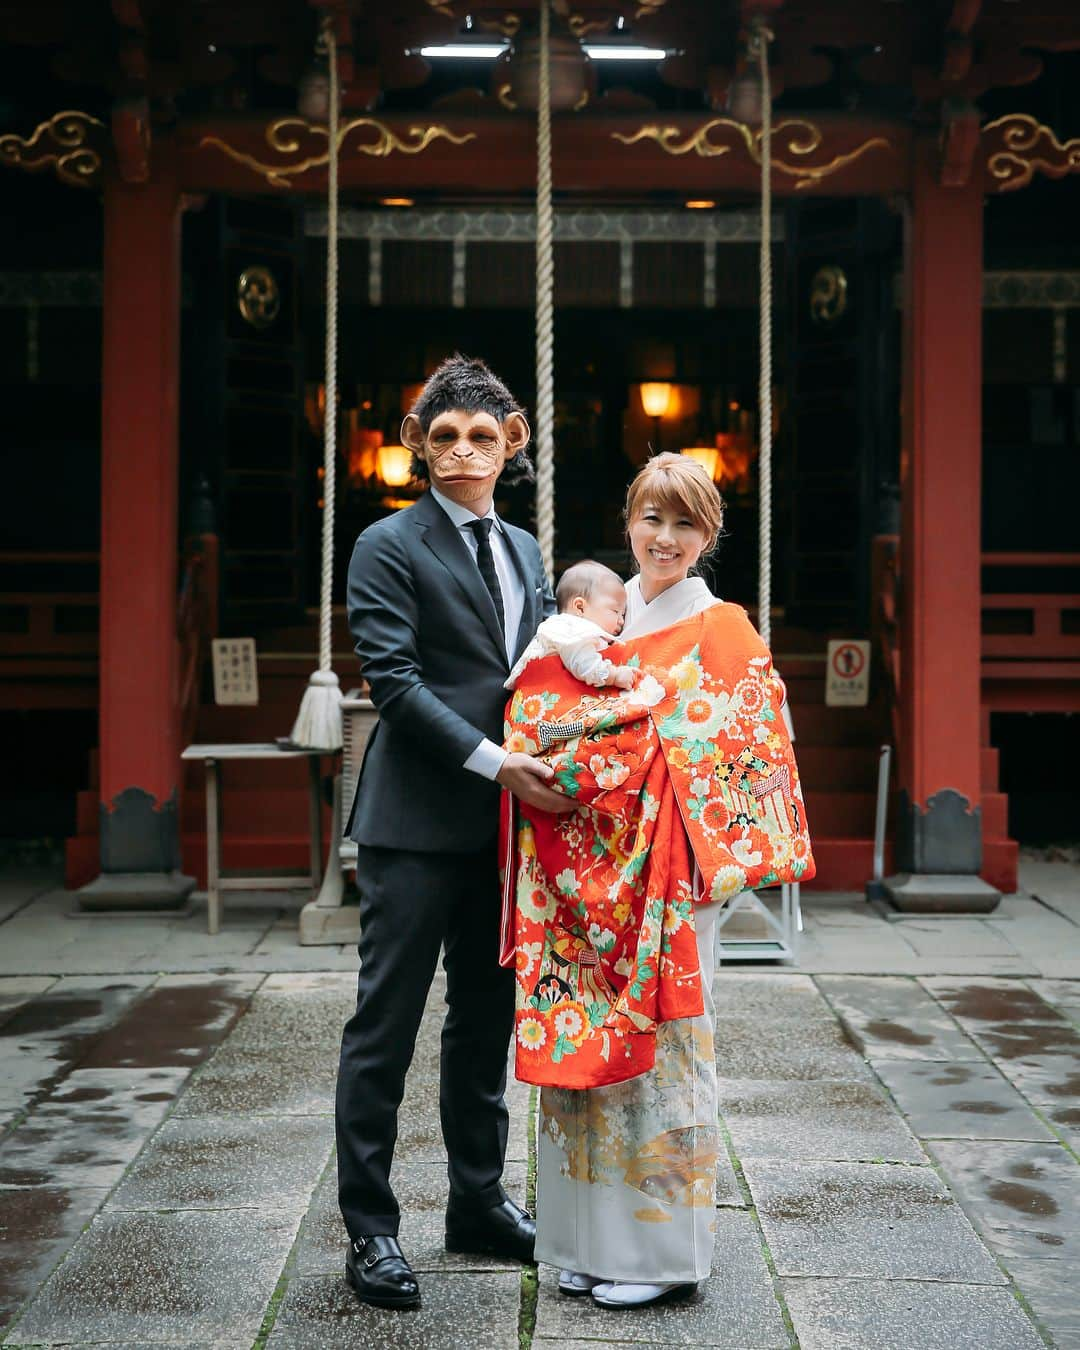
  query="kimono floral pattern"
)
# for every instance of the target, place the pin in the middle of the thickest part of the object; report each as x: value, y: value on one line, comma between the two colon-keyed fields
x: 692, y: 764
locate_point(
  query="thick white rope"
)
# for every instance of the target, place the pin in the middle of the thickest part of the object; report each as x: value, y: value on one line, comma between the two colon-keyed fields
x: 318, y: 723
x: 545, y: 307
x: 760, y: 44
x: 330, y: 423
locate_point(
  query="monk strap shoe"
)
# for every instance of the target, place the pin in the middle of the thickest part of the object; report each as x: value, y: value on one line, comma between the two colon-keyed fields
x: 379, y: 1274
x: 503, y: 1230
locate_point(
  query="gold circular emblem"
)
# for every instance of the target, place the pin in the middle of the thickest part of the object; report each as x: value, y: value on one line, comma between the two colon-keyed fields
x: 828, y: 294
x: 257, y: 296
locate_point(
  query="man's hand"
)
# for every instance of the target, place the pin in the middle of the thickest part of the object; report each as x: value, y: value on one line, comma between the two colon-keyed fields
x: 527, y: 778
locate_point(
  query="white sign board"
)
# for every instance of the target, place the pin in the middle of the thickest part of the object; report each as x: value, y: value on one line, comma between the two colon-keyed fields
x: 847, y: 673
x: 236, y: 677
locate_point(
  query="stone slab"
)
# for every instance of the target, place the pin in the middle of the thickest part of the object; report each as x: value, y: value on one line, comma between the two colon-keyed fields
x: 291, y: 1081
x: 282, y: 1056
x: 866, y: 1220
x: 177, y: 1022
x: 955, y: 937
x: 15, y: 990
x: 1051, y: 1289
x: 421, y: 1190
x: 895, y: 1018
x: 776, y: 997
x: 959, y: 1100
x: 48, y: 1035
x: 820, y: 1120
x: 747, y: 1048
x: 191, y: 1275
x: 90, y: 1129
x: 735, y: 1309
x: 477, y: 1311
x: 1024, y: 1198
x: 834, y: 1314
x: 986, y: 1001
x: 37, y: 1226
x: 1056, y: 884
x: 1063, y: 994
x: 228, y: 1162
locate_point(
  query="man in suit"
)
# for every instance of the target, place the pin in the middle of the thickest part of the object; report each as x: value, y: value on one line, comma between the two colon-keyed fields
x: 442, y: 598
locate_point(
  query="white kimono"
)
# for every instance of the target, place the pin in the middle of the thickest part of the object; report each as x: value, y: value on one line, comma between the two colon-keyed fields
x: 626, y: 1174
x: 578, y: 642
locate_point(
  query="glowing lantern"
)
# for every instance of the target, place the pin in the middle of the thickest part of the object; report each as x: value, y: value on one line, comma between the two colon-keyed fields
x: 707, y: 456
x: 656, y: 399
x: 395, y: 465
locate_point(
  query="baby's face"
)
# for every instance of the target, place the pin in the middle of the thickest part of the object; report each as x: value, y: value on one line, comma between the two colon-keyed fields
x: 606, y: 607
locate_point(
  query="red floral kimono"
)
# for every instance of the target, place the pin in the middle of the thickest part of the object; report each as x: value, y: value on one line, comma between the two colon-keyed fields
x: 692, y: 765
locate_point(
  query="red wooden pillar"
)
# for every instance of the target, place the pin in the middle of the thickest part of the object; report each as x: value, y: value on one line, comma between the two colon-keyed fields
x: 139, y: 715
x: 939, y: 833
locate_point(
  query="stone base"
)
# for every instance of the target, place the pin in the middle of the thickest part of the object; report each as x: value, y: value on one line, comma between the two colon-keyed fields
x: 136, y: 890
x: 940, y: 893
x: 326, y: 926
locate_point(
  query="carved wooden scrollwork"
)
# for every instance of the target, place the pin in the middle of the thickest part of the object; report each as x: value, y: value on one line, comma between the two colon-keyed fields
x: 295, y: 140
x: 794, y: 142
x: 1017, y: 145
x: 69, y: 142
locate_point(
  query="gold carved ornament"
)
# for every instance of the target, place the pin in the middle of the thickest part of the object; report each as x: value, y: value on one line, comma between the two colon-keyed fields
x: 1024, y: 145
x: 828, y: 294
x: 286, y: 135
x: 257, y: 296
x: 61, y: 142
x: 792, y: 140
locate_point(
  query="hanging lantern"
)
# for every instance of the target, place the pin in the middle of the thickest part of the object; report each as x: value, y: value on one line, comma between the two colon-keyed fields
x: 656, y: 398
x: 395, y: 465
x: 707, y: 456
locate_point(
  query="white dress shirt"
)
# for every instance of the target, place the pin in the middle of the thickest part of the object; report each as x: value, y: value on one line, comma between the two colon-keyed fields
x: 488, y: 758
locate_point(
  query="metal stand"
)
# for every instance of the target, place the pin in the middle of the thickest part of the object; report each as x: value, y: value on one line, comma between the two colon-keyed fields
x: 325, y: 921
x: 786, y: 927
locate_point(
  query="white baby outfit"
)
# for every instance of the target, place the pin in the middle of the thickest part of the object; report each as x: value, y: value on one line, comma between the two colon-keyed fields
x: 578, y: 642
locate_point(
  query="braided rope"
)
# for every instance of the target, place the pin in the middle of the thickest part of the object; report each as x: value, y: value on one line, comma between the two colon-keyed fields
x: 330, y: 422
x: 545, y: 309
x: 760, y: 45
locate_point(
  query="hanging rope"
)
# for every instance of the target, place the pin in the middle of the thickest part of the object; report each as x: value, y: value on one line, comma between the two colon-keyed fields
x: 318, y: 724
x: 330, y: 424
x: 545, y: 308
x: 759, y: 45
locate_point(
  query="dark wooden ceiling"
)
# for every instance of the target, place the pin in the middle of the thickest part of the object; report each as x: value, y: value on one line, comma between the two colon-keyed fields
x: 191, y: 57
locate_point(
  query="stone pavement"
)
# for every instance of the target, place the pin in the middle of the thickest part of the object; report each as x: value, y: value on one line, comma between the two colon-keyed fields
x: 901, y: 1115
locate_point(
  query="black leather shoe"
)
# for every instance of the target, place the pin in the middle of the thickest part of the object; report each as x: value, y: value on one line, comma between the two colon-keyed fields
x: 503, y: 1230
x: 379, y: 1273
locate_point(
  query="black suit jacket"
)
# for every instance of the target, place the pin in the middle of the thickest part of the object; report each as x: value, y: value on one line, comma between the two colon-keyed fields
x: 429, y: 641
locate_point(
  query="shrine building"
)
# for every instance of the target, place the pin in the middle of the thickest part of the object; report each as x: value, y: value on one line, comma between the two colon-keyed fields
x: 163, y: 305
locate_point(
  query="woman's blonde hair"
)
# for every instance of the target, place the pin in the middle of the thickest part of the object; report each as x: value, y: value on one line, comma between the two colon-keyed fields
x: 677, y: 483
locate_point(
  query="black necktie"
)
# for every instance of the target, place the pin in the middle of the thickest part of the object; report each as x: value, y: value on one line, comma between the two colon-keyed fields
x: 485, y: 560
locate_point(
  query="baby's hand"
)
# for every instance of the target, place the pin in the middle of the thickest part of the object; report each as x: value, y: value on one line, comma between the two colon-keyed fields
x: 626, y: 677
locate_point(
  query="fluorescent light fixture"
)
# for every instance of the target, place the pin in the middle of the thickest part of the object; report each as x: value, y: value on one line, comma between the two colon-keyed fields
x: 610, y: 52
x: 474, y: 51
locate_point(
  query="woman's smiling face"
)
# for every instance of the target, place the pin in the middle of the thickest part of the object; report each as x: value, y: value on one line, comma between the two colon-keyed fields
x: 666, y: 543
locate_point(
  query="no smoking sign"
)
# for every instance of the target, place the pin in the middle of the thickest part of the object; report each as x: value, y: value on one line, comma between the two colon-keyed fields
x: 847, y: 674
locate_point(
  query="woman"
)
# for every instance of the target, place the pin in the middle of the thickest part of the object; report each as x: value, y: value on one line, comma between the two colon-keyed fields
x: 626, y: 1173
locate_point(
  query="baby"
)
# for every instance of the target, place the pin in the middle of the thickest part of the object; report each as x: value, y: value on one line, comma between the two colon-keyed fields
x: 592, y: 608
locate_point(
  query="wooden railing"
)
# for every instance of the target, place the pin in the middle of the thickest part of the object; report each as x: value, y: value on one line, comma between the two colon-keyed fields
x: 196, y: 625
x: 43, y: 620
x: 1034, y: 625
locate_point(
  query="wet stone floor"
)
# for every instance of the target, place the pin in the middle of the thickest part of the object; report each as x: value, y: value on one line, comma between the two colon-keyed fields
x: 902, y: 1171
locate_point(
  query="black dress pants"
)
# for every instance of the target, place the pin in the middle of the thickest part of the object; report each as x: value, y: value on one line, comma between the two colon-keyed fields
x: 411, y: 904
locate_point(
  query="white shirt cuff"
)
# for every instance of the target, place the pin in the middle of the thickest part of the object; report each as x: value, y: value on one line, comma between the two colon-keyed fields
x: 487, y: 759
